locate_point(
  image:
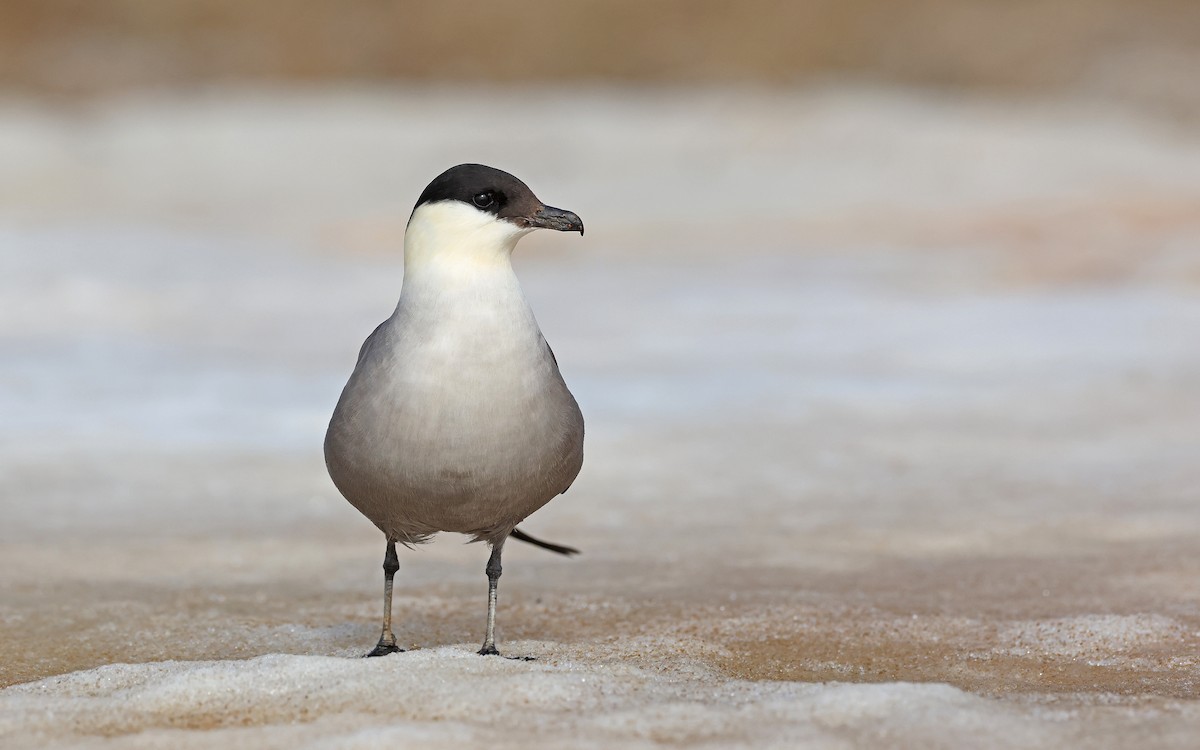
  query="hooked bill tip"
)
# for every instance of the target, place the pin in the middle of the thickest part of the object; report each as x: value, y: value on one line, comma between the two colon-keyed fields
x: 549, y: 217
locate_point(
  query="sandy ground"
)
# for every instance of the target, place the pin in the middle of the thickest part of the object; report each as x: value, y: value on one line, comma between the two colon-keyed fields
x: 892, y: 408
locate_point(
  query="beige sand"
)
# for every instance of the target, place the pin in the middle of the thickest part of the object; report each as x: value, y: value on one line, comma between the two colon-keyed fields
x: 892, y: 410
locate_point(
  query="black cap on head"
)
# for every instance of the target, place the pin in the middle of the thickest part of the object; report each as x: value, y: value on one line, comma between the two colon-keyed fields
x: 497, y: 192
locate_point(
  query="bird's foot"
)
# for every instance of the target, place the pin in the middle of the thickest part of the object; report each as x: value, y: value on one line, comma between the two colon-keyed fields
x: 383, y: 649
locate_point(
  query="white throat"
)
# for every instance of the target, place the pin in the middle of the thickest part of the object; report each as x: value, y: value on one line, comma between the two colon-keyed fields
x: 458, y: 272
x: 452, y: 237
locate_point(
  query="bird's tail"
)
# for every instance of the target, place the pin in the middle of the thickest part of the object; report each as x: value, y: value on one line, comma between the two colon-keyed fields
x: 560, y: 549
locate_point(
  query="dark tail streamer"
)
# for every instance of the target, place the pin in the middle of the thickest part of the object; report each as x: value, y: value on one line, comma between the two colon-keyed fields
x: 560, y: 549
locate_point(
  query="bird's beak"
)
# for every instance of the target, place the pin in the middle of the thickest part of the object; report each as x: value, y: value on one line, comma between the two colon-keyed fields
x: 548, y: 217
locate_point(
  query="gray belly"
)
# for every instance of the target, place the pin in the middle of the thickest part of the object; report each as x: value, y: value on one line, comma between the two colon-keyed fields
x: 475, y: 449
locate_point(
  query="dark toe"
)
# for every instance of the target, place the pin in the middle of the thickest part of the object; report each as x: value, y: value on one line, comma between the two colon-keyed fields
x: 383, y: 649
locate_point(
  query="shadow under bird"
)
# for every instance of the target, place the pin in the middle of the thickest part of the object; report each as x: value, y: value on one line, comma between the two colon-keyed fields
x: 456, y: 417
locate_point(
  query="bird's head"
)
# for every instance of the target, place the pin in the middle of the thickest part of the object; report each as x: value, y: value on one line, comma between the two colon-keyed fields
x: 474, y: 213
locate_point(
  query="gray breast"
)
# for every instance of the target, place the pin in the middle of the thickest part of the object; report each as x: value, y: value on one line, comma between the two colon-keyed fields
x: 447, y: 427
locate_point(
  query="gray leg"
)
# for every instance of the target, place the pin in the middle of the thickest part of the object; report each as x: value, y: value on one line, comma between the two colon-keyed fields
x: 387, y: 641
x: 493, y: 573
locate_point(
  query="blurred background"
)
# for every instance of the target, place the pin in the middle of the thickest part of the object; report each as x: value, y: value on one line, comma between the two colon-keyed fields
x: 1146, y: 52
x: 876, y: 299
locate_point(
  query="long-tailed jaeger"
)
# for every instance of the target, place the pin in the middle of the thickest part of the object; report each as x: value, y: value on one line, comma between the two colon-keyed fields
x: 456, y: 417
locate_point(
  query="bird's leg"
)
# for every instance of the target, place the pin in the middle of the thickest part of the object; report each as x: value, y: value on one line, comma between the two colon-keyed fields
x: 387, y: 641
x: 493, y: 573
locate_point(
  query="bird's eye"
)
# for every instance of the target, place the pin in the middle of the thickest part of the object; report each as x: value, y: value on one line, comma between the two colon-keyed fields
x: 483, y: 200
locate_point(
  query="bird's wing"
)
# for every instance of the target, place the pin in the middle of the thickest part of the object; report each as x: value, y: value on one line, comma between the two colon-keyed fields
x: 366, y: 345
x: 546, y: 344
x: 553, y: 359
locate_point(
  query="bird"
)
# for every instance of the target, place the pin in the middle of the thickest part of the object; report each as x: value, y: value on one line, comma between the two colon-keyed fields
x: 456, y: 417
